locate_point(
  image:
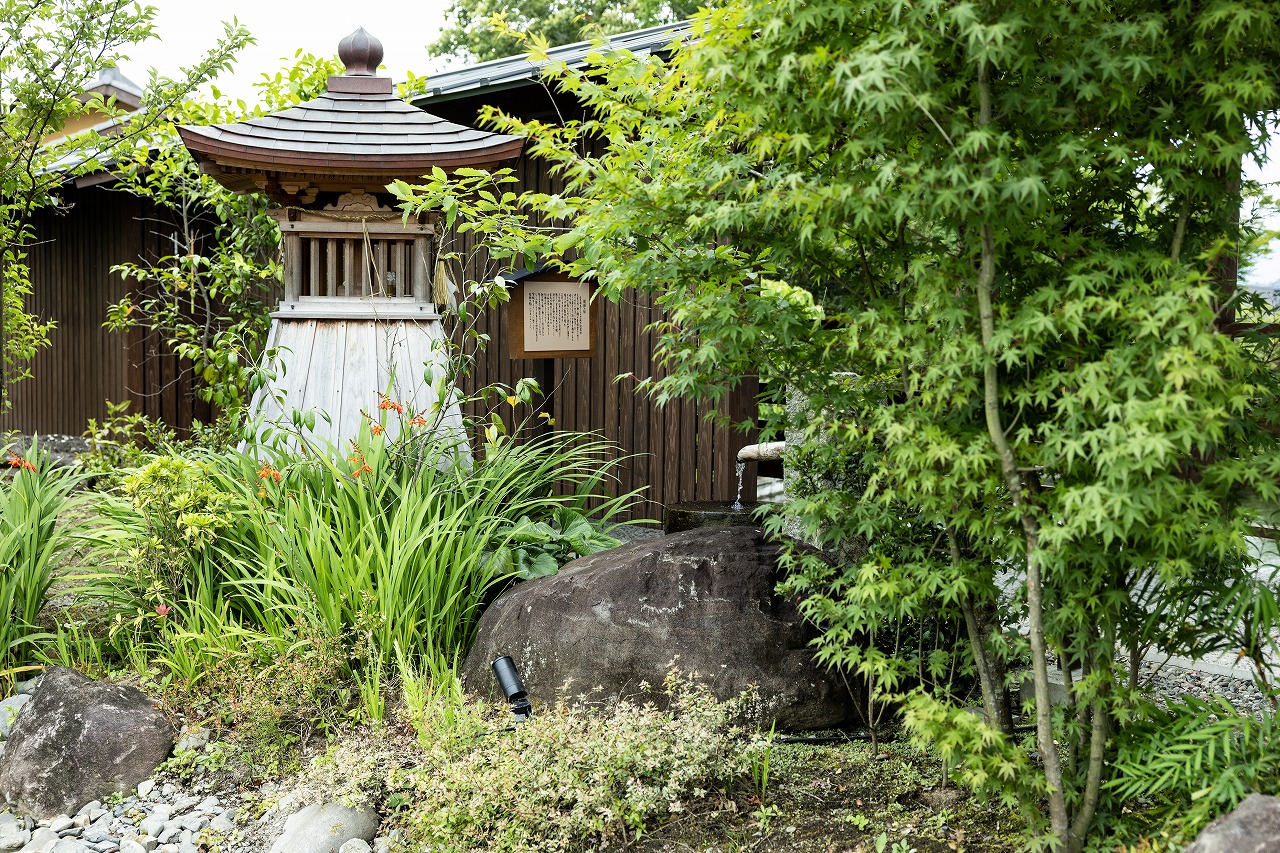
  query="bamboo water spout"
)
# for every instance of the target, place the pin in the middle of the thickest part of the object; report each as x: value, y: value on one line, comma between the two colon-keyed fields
x: 766, y: 452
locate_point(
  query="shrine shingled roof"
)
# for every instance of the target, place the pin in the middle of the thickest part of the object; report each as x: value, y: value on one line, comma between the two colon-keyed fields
x: 357, y: 127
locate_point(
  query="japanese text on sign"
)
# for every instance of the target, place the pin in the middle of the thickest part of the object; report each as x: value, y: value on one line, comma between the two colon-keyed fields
x: 557, y: 316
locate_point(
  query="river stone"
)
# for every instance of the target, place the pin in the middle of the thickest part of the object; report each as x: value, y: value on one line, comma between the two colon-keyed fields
x: 325, y: 828
x: 9, y: 710
x: 80, y: 740
x: 13, y: 833
x: 1253, y: 827
x: 616, y: 619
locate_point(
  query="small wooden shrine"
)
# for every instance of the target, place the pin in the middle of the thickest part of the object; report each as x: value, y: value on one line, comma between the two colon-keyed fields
x: 357, y: 319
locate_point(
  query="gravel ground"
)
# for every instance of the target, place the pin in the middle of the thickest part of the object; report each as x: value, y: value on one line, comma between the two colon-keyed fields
x: 62, y: 448
x: 1171, y: 682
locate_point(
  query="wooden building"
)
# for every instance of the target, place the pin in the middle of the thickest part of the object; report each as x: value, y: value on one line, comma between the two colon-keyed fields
x: 673, y: 452
x: 70, y: 260
x: 676, y: 453
x: 72, y: 284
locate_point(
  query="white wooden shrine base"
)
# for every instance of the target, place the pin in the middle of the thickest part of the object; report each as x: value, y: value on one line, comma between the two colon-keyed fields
x: 339, y: 366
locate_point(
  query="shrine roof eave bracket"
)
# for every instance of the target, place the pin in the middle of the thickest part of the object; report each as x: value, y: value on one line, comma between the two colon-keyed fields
x: 247, y: 179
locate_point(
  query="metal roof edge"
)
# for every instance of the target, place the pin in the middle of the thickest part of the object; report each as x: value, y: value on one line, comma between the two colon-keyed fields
x: 513, y: 72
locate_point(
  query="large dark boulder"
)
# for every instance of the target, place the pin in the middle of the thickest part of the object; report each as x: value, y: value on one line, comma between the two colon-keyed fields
x: 1254, y: 827
x: 80, y: 740
x: 610, y: 621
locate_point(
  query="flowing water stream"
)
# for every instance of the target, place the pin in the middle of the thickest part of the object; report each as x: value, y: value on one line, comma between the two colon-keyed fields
x: 737, y: 501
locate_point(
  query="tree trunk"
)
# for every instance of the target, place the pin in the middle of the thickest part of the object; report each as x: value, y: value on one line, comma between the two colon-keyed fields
x: 990, y: 671
x: 1058, y: 820
x: 1226, y: 271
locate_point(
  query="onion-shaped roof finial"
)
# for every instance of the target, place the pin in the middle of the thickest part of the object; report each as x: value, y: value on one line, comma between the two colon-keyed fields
x: 361, y: 53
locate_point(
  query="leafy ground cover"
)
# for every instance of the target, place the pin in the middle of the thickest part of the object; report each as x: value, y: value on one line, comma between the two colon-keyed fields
x: 845, y: 797
x: 449, y: 774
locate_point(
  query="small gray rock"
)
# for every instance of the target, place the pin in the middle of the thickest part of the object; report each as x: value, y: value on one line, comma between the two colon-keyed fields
x: 153, y: 825
x: 42, y: 841
x: 14, y: 834
x: 185, y: 804
x: 1254, y: 825
x: 61, y: 823
x: 356, y: 845
x: 131, y: 845
x: 68, y: 845
x: 145, y: 787
x: 191, y: 740
x: 325, y: 828
x: 89, y: 808
x: 9, y: 710
x: 222, y: 823
x: 193, y: 822
x: 170, y: 832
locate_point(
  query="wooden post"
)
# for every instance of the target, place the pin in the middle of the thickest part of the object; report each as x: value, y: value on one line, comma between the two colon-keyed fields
x: 380, y: 267
x: 292, y: 267
x: 313, y: 258
x: 330, y: 267
x: 365, y: 259
x: 349, y: 267
x: 421, y: 274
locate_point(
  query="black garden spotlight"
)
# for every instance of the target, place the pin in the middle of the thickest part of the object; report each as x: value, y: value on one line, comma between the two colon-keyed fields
x: 512, y: 687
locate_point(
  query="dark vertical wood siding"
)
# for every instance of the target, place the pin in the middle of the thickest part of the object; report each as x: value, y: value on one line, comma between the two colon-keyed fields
x: 72, y: 284
x: 675, y: 452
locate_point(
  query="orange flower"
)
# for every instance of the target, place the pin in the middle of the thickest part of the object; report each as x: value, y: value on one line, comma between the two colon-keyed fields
x: 267, y: 471
x: 363, y: 469
x: 16, y: 461
x: 418, y: 421
x: 387, y: 404
x: 377, y: 429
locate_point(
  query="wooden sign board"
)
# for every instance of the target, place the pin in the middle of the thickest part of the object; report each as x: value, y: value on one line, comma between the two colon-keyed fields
x: 552, y: 316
